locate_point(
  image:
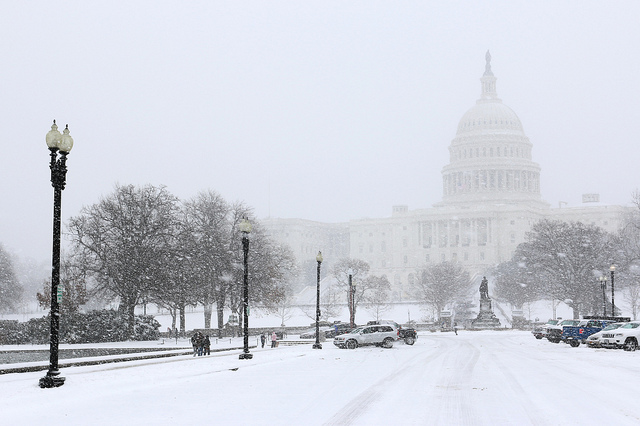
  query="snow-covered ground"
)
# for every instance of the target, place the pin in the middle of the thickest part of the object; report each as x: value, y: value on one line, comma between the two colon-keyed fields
x: 474, y: 378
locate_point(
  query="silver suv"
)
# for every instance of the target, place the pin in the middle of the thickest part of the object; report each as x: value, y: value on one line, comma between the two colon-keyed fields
x: 380, y: 335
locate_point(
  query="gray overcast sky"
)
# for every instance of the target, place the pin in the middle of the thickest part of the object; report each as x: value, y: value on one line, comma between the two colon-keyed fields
x: 326, y: 110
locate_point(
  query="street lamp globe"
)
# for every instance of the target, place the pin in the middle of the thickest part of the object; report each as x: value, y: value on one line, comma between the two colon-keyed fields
x: 53, y: 136
x: 245, y: 226
x: 66, y: 141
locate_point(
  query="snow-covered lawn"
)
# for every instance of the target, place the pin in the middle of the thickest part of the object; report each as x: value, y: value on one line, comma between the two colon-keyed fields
x: 474, y: 378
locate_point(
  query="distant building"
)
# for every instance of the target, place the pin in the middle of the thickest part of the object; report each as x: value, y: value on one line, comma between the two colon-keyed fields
x: 491, y: 198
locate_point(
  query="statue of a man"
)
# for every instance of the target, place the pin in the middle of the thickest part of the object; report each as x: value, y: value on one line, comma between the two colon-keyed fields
x: 484, y: 288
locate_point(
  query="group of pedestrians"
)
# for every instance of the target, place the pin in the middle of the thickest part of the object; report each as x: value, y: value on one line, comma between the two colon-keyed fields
x: 274, y: 339
x: 201, y: 344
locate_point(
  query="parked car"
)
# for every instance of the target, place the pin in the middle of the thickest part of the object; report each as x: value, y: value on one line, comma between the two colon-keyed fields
x: 311, y: 333
x: 554, y: 332
x: 595, y: 340
x: 574, y: 335
x: 337, y: 329
x: 540, y: 330
x: 408, y: 334
x: 627, y: 336
x: 379, y: 335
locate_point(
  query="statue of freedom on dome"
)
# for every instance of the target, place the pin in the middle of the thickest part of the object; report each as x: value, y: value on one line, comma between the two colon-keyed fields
x: 487, y: 68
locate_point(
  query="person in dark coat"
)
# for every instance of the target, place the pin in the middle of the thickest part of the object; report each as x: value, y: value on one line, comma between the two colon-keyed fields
x: 207, y: 345
x: 195, y: 343
x: 263, y: 339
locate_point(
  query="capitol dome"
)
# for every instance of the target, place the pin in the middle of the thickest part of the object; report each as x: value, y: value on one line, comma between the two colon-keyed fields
x: 489, y: 116
x: 490, y: 157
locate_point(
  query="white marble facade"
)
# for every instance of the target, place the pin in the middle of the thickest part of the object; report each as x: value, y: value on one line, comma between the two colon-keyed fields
x: 491, y: 197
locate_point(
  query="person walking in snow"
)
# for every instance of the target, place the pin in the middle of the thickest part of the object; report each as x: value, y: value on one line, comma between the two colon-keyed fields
x: 263, y: 339
x: 274, y: 339
x: 206, y: 343
x: 195, y: 343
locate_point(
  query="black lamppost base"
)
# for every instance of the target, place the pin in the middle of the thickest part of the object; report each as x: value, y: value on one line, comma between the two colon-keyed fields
x: 51, y: 381
x: 317, y: 346
x: 245, y: 356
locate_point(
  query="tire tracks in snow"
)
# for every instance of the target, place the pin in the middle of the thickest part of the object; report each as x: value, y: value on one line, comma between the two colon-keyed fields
x: 392, y: 391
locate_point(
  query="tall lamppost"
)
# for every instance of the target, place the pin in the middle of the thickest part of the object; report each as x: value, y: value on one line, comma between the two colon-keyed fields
x: 245, y: 228
x: 603, y: 285
x: 317, y: 345
x: 613, y: 300
x: 57, y: 144
x: 351, y: 319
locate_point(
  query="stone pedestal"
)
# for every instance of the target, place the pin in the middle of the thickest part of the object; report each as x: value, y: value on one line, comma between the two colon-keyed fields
x: 486, y: 318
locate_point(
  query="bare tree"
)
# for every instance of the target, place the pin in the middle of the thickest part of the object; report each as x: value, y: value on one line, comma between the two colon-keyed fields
x: 10, y: 288
x: 123, y: 240
x: 632, y: 296
x: 377, y: 302
x: 73, y: 278
x: 516, y: 284
x: 207, y: 232
x: 566, y: 258
x: 359, y: 271
x: 442, y: 284
x: 330, y: 306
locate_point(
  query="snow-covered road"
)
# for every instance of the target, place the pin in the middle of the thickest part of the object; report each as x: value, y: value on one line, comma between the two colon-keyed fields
x: 475, y: 378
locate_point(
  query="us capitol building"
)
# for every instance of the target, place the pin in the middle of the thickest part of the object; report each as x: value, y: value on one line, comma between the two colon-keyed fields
x: 491, y: 198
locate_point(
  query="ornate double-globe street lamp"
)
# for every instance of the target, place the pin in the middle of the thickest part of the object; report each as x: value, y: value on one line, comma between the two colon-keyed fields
x: 60, y: 145
x: 245, y: 228
x: 603, y: 285
x: 317, y: 345
x: 352, y: 290
x: 613, y: 299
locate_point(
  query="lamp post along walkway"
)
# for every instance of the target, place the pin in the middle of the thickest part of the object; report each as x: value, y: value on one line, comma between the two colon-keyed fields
x: 245, y: 228
x: 317, y: 345
x: 603, y: 285
x: 59, y: 145
x: 613, y: 294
